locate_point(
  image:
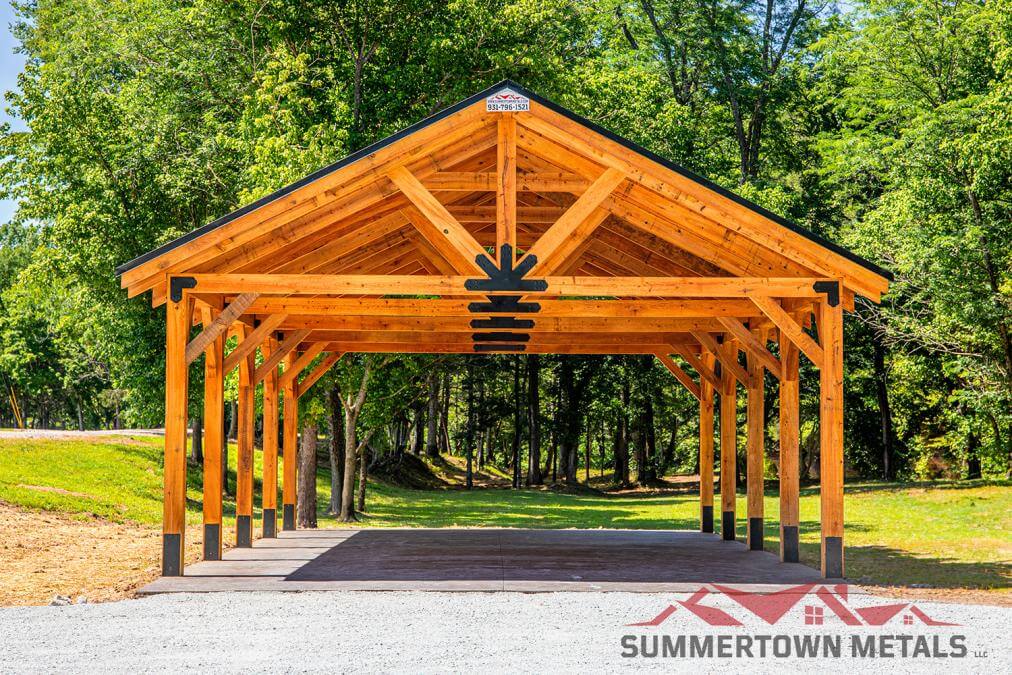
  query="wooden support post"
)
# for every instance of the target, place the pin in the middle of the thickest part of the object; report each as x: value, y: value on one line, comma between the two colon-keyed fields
x: 754, y: 454
x: 214, y: 435
x: 290, y: 437
x: 506, y: 185
x: 831, y: 438
x: 728, y: 452
x: 270, y: 464
x: 177, y: 328
x: 789, y: 443
x: 706, y: 448
x: 244, y: 461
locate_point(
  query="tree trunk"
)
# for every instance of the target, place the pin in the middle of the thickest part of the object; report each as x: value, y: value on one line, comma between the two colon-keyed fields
x: 469, y: 436
x: 432, y: 440
x: 197, y: 442
x: 444, y: 416
x: 336, y: 451
x: 306, y: 494
x: 586, y: 453
x: 517, y: 422
x: 233, y: 422
x: 972, y: 456
x: 885, y: 414
x: 534, y: 475
x: 350, y: 464
x: 363, y: 464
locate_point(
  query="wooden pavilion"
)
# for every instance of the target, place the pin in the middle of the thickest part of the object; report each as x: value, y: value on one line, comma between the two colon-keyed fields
x: 505, y: 224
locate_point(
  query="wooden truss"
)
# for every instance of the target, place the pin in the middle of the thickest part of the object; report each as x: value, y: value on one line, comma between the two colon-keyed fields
x: 503, y: 232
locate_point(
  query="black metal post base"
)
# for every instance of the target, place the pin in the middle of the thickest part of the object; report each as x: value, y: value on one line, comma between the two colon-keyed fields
x: 288, y: 517
x: 244, y: 531
x: 706, y: 520
x: 270, y: 523
x: 212, y: 541
x: 832, y: 563
x: 755, y: 534
x: 172, y: 555
x: 727, y: 525
x: 789, y: 547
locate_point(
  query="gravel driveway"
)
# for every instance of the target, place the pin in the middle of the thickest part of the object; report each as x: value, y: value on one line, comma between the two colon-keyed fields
x: 454, y: 632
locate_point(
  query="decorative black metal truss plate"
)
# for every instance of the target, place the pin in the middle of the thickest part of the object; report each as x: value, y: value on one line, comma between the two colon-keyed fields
x: 503, y: 322
x: 504, y: 304
x: 500, y: 348
x: 506, y: 277
x: 501, y: 337
x: 831, y: 289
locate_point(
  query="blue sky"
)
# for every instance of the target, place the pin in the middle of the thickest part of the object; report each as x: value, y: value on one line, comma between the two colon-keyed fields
x: 10, y: 66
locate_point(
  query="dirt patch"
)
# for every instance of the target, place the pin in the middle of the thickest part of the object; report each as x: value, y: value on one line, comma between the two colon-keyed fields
x: 43, y: 554
x: 963, y: 596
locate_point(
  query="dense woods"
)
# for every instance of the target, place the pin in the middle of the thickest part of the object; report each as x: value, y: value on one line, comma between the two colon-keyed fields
x: 886, y: 127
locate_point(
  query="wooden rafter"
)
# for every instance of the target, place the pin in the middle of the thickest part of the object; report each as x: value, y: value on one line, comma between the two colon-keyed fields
x: 219, y: 325
x: 440, y: 228
x: 252, y: 340
x: 278, y: 354
x: 752, y: 345
x: 705, y: 372
x: 790, y: 328
x: 321, y: 369
x: 299, y: 364
x: 725, y: 355
x: 680, y: 374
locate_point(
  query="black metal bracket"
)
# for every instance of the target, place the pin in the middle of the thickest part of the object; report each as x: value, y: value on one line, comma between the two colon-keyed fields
x: 500, y: 348
x: 506, y: 277
x: 176, y: 286
x: 504, y: 304
x: 507, y: 322
x: 500, y: 337
x: 831, y: 289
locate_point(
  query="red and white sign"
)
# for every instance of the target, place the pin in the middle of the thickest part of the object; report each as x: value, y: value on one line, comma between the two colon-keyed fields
x: 507, y: 100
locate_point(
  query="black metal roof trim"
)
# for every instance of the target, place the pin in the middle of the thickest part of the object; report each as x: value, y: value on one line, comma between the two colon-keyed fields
x: 431, y: 119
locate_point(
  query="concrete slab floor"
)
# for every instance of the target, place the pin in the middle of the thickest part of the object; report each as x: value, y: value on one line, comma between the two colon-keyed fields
x: 489, y: 559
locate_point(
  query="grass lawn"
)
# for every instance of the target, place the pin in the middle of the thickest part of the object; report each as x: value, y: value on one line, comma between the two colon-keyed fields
x: 943, y: 534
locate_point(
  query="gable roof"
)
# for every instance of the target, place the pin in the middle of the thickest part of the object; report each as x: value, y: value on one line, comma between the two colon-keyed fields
x: 834, y: 251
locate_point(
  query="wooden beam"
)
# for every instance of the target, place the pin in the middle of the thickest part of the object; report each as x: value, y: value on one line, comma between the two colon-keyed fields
x: 506, y: 185
x: 568, y: 233
x: 438, y: 227
x: 486, y: 181
x: 291, y: 374
x: 463, y: 324
x: 220, y: 324
x: 277, y: 355
x: 789, y: 329
x: 177, y: 329
x: 789, y: 449
x: 702, y: 364
x: 680, y: 374
x: 728, y: 454
x: 831, y: 439
x: 289, y: 442
x: 550, y: 308
x: 214, y: 437
x: 252, y: 340
x: 577, y: 286
x: 727, y: 358
x: 318, y: 372
x: 269, y: 483
x: 468, y: 348
x: 752, y: 345
x: 706, y: 389
x: 246, y: 413
x: 754, y: 454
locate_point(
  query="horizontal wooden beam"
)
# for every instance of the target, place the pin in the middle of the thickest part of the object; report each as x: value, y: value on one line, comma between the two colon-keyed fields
x: 550, y: 308
x: 393, y: 284
x: 532, y: 323
x: 429, y: 337
x: 468, y: 348
x: 485, y: 181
